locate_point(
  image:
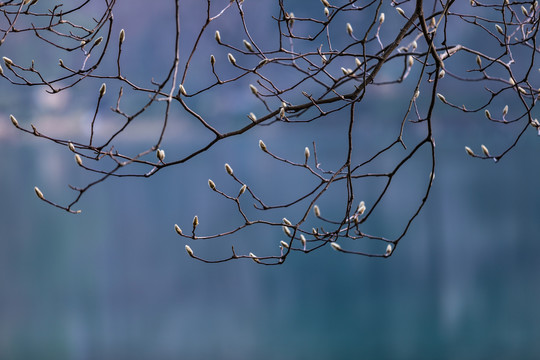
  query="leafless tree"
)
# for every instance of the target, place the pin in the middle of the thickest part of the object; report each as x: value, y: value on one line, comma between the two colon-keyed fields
x: 332, y: 54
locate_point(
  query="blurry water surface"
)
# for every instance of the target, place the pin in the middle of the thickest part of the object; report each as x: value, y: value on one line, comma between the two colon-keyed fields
x: 115, y: 282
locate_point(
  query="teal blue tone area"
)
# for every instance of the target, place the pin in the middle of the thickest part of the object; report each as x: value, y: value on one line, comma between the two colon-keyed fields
x: 115, y: 282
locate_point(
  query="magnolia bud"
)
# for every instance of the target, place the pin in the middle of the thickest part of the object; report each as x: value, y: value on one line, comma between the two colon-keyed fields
x: 488, y: 114
x: 229, y: 169
x: 262, y: 146
x: 177, y: 229
x: 212, y: 60
x: 469, y: 151
x: 290, y: 20
x: 160, y: 155
x: 39, y: 193
x: 485, y: 150
x: 326, y: 12
x: 284, y: 244
x: 287, y: 222
x: 441, y: 74
x: 231, y: 58
x: 195, y: 221
x: 281, y: 113
x: 410, y: 61
x: 441, y: 97
x: 416, y: 94
x: 335, y: 246
x: 388, y: 250
x: 102, y: 90
x: 325, y: 3
x: 61, y: 62
x: 505, y: 110
x: 316, y: 211
x: 414, y: 45
x: 7, y: 61
x: 78, y: 159
x: 14, y: 121
x: 357, y: 62
x: 287, y: 231
x: 433, y: 23
x: 122, y: 36
x: 217, y: 36
x: 189, y: 251
x: 499, y: 29
x: 400, y: 11
x: 478, y: 60
x: 524, y: 11
x: 242, y: 190
x: 381, y: 18
x: 247, y: 45
x: 361, y: 208
x: 1, y: 70
x: 254, y: 257
x: 303, y: 240
x: 182, y: 90
x: 98, y: 41
x: 211, y: 184
x: 349, y: 29
x: 253, y: 89
x: 71, y: 147
x: 306, y: 153
x: 252, y: 117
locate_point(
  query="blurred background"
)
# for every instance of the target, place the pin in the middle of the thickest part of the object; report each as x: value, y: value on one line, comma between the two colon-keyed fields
x: 115, y: 282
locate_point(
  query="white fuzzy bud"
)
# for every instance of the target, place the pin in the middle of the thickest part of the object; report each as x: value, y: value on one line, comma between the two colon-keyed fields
x: 441, y: 74
x: 212, y: 60
x: 98, y: 41
x: 242, y: 190
x: 287, y: 231
x: 441, y: 97
x: 1, y: 70
x: 499, y: 29
x: 416, y: 94
x: 485, y: 150
x: 14, y: 121
x: 349, y: 29
x: 253, y: 89
x: 160, y: 154
x: 262, y: 146
x: 335, y: 246
x: 400, y: 11
x: 469, y: 151
x: 122, y: 36
x: 388, y: 250
x: 326, y: 12
x: 381, y: 18
x: 78, y: 159
x: 102, y: 90
x: 247, y: 45
x: 287, y: 222
x: 177, y: 229
x: 195, y: 221
x: 231, y: 58
x: 524, y: 11
x: 316, y: 211
x: 254, y: 257
x: 211, y: 184
x: 252, y: 117
x: 303, y: 240
x: 414, y: 45
x: 71, y: 146
x: 217, y: 36
x: 229, y: 169
x: 357, y: 62
x: 505, y: 110
x: 39, y: 193
x: 410, y: 61
x: 182, y: 90
x: 488, y: 114
x: 361, y: 208
x: 478, y: 61
x: 306, y: 153
x: 7, y: 61
x: 189, y: 251
x: 284, y: 244
x: 325, y: 3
